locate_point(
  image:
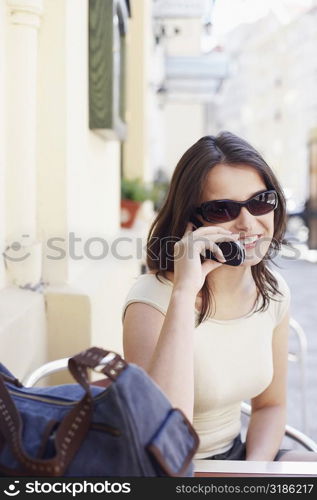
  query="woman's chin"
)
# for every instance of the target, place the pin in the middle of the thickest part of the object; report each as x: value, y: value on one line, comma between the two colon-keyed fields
x: 252, y: 258
x: 255, y: 254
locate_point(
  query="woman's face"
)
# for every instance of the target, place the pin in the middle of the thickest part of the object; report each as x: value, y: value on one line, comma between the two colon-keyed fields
x: 239, y: 183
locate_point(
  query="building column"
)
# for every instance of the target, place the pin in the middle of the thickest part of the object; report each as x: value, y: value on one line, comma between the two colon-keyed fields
x: 23, y: 252
x: 136, y: 146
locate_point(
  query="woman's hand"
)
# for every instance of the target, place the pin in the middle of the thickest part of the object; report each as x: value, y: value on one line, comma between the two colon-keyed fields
x: 189, y: 272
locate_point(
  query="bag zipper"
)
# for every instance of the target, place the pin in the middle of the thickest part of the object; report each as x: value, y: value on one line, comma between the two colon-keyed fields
x: 94, y: 426
x: 106, y: 428
x: 48, y: 399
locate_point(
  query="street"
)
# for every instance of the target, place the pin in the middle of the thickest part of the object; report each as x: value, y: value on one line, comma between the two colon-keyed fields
x: 301, y: 277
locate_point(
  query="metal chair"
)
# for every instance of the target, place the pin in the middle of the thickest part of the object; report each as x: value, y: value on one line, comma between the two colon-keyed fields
x: 290, y: 431
x: 43, y: 371
x: 300, y: 358
x: 52, y: 367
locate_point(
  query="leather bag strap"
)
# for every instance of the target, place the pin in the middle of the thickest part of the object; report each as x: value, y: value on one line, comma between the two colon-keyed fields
x: 75, y: 424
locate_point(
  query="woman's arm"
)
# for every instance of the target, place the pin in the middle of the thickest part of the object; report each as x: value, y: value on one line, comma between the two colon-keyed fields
x: 267, y: 423
x: 164, y: 347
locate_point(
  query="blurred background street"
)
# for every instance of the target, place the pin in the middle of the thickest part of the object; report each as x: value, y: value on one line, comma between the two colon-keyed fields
x: 299, y: 268
x: 301, y: 276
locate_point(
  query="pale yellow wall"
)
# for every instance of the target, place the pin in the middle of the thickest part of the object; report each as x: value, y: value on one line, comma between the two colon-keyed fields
x: 80, y: 193
x: 22, y: 330
x: 22, y: 312
x: 139, y: 47
x: 51, y: 134
x: 94, y: 167
x: 184, y: 123
x: 78, y: 170
x: 77, y: 191
x: 21, y: 90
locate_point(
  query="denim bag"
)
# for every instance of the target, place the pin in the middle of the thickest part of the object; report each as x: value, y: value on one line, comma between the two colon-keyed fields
x: 127, y: 428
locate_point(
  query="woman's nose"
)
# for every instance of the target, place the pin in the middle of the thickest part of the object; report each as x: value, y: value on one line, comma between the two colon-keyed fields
x: 245, y: 221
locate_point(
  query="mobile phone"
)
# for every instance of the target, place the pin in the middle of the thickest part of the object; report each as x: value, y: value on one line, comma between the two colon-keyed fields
x: 232, y: 251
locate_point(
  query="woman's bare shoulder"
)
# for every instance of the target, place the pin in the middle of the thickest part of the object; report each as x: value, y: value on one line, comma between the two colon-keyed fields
x: 168, y: 275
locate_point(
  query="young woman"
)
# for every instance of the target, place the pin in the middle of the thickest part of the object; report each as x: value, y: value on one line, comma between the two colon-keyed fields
x: 212, y: 334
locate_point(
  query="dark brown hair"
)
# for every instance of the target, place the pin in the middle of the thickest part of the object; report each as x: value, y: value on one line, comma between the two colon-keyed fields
x: 184, y: 195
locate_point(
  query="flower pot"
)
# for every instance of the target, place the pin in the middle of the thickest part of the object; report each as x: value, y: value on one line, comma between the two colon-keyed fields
x: 129, y: 210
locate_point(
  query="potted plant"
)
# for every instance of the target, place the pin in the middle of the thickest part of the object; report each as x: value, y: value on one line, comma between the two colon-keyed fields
x: 133, y: 193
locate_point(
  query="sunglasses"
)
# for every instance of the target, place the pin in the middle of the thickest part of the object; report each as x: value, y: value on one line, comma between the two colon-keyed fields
x: 225, y: 210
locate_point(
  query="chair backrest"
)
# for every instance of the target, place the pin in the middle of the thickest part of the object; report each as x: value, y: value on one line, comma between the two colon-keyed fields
x: 45, y: 370
x: 299, y: 356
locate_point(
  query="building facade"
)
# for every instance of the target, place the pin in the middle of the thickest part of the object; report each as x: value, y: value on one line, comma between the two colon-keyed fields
x: 62, y: 277
x: 269, y: 96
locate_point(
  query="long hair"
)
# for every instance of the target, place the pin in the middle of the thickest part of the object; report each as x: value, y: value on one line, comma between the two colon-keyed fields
x: 185, y: 191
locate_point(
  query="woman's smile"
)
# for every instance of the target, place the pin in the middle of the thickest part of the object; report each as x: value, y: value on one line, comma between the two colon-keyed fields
x: 251, y: 241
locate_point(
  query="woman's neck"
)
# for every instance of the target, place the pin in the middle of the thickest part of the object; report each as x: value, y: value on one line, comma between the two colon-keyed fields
x: 228, y: 280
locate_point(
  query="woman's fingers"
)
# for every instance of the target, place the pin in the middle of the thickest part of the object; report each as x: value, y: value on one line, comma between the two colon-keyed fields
x: 207, y: 231
x: 188, y: 267
x: 216, y: 250
x: 209, y: 241
x: 212, y: 230
x: 198, y: 241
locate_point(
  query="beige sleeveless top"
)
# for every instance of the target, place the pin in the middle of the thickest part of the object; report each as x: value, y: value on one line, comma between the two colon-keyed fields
x: 232, y: 361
